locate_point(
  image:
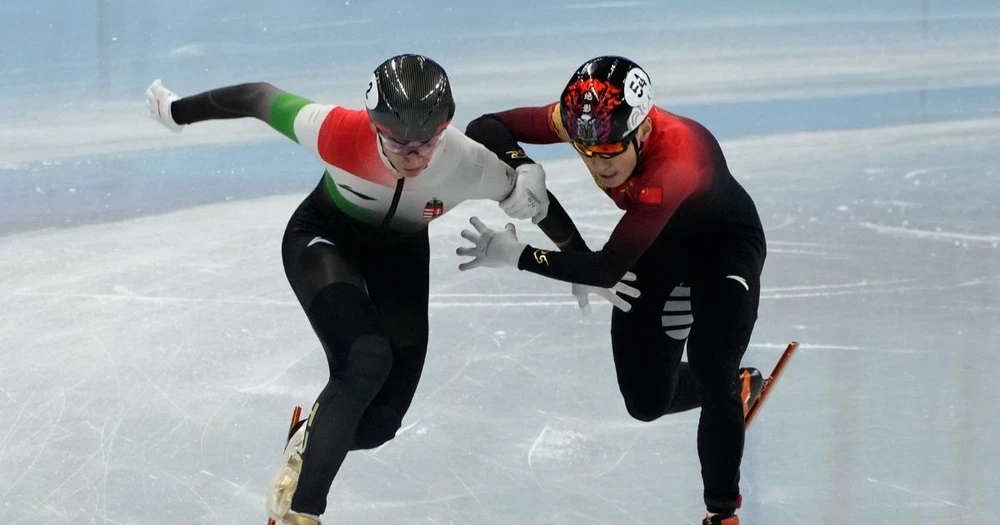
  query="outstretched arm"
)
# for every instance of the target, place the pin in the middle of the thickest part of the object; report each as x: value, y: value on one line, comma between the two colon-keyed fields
x: 259, y: 100
x: 500, y: 133
x: 656, y: 199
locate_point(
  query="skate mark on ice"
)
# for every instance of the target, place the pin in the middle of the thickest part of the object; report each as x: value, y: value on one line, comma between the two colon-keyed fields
x: 399, y: 432
x: 635, y: 437
x: 471, y: 493
x: 932, y: 169
x: 165, y: 395
x: 215, y: 517
x: 618, y: 506
x: 789, y: 514
x: 162, y: 436
x: 204, y: 430
x: 228, y: 482
x: 468, y: 360
x: 520, y: 364
x: 936, y: 235
x: 788, y: 221
x: 531, y: 452
x: 44, y: 443
x: 915, y: 493
x: 470, y: 356
x: 67, y: 478
x: 270, y: 382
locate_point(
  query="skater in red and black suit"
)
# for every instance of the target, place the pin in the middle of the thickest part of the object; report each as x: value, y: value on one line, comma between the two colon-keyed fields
x: 690, y: 234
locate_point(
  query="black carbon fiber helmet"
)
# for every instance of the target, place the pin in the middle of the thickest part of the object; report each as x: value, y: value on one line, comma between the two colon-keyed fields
x: 605, y: 100
x: 409, y: 98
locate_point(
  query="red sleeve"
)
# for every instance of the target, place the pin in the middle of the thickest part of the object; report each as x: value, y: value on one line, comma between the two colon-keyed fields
x: 652, y: 201
x: 533, y: 125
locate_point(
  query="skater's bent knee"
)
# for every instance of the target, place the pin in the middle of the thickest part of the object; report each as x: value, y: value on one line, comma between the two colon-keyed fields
x: 368, y: 365
x: 370, y: 357
x: 642, y: 411
x: 378, y: 426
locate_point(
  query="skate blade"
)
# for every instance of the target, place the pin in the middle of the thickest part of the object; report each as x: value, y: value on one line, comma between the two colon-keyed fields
x: 769, y: 383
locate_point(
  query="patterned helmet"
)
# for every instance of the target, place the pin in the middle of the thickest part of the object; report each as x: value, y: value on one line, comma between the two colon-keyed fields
x: 605, y: 101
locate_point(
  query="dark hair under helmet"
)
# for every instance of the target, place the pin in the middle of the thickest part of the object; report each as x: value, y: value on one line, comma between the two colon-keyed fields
x: 605, y: 100
x: 409, y: 98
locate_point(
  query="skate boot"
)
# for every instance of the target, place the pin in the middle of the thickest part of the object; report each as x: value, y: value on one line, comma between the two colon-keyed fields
x: 286, y: 479
x: 294, y: 518
x: 721, y: 519
x: 753, y: 383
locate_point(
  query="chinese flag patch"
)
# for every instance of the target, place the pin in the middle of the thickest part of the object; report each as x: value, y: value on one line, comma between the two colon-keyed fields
x: 651, y: 195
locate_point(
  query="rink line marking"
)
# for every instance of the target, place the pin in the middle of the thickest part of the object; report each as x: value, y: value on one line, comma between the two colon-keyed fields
x: 805, y: 346
x: 814, y: 245
x: 801, y: 251
x: 915, y: 493
x: 865, y: 291
x: 817, y: 287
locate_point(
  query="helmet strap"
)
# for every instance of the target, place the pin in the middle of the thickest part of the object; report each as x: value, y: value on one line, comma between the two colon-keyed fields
x: 638, y: 155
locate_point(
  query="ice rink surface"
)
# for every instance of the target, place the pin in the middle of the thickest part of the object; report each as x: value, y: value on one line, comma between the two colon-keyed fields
x: 152, y: 349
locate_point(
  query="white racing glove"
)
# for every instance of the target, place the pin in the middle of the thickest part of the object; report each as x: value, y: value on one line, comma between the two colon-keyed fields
x: 528, y: 200
x: 158, y: 100
x: 492, y: 248
x: 582, y: 292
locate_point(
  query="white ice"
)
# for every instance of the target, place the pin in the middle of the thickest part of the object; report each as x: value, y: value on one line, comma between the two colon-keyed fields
x: 151, y: 362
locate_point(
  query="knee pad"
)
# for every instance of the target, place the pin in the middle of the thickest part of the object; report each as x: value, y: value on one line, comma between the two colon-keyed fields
x: 354, y: 338
x: 369, y: 362
x: 340, y: 313
x: 377, y: 426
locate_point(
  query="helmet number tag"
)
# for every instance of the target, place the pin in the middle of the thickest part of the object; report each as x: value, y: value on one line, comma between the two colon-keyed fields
x: 638, y: 95
x: 638, y: 86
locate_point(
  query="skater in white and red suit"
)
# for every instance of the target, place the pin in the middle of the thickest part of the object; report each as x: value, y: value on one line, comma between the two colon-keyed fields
x: 356, y: 250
